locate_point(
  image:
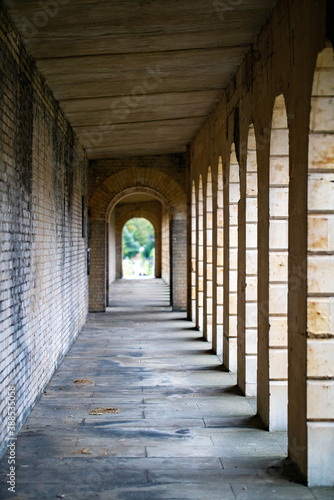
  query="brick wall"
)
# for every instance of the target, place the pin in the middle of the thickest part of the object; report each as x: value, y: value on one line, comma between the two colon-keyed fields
x: 43, y: 277
x: 162, y: 177
x: 165, y: 260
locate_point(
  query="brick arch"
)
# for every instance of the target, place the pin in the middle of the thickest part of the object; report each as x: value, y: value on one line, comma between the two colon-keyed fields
x: 173, y: 198
x: 134, y: 190
x: 138, y: 179
x: 139, y: 213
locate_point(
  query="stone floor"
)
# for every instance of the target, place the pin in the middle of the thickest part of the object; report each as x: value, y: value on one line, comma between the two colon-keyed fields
x: 183, y: 431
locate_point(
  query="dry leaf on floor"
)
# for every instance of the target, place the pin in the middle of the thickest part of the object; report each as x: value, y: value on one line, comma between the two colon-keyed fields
x: 84, y: 451
x: 102, y: 411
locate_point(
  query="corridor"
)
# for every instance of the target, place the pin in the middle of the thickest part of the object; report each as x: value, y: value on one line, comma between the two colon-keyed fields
x: 178, y: 428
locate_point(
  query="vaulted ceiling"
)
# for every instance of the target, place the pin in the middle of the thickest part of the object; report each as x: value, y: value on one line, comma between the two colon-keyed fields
x: 138, y: 77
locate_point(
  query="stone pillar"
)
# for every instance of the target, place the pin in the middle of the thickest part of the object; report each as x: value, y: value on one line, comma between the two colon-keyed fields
x: 278, y: 267
x: 205, y: 316
x: 208, y: 253
x: 200, y: 257
x: 247, y: 265
x: 220, y: 259
x: 214, y: 266
x: 193, y: 254
x: 231, y: 286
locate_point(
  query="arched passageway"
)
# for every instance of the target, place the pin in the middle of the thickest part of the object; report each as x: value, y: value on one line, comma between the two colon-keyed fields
x: 138, y: 186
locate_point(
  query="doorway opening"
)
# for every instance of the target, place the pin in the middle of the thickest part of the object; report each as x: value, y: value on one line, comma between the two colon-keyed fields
x: 138, y: 249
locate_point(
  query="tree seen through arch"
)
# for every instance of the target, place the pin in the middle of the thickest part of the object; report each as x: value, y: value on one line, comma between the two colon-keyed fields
x: 138, y: 248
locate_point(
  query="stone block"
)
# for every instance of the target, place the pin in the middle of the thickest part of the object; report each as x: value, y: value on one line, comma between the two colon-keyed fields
x: 318, y: 233
x: 234, y: 173
x: 220, y: 295
x: 251, y: 370
x: 233, y: 303
x: 320, y: 355
x: 320, y: 399
x: 278, y: 364
x: 200, y: 268
x: 278, y: 234
x: 233, y: 215
x: 320, y: 438
x: 251, y: 184
x: 251, y: 288
x: 233, y: 258
x: 279, y: 119
x: 279, y: 202
x: 200, y: 284
x: 209, y: 309
x: 321, y: 151
x: 251, y: 235
x: 220, y: 276
x: 321, y: 191
x: 251, y: 159
x: 233, y: 237
x: 278, y: 406
x: 278, y: 332
x: 220, y: 201
x: 278, y: 298
x: 220, y: 237
x: 209, y: 219
x: 233, y: 281
x: 279, y: 170
x: 234, y: 193
x: 278, y: 266
x: 220, y: 315
x: 233, y: 329
x: 322, y: 114
x: 209, y: 237
x: 279, y: 144
x: 251, y: 262
x: 320, y: 272
x: 251, y: 340
x: 251, y: 315
x: 320, y: 315
x: 220, y: 257
x: 251, y: 209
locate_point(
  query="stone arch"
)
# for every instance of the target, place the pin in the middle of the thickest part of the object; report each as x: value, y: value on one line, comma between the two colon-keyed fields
x: 174, y: 202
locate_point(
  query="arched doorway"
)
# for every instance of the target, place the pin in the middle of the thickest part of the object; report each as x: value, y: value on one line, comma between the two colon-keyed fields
x: 138, y: 249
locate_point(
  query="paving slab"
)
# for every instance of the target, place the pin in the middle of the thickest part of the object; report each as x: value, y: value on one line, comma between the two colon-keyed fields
x: 182, y: 429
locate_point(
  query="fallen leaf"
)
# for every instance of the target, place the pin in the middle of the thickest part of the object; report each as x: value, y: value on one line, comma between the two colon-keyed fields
x: 84, y: 451
x: 102, y: 411
x: 83, y: 381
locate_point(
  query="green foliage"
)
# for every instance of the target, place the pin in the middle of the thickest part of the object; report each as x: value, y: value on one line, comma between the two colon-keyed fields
x: 130, y: 245
x: 138, y: 236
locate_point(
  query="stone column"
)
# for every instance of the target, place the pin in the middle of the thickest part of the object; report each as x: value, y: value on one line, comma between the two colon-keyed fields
x: 231, y: 266
x: 208, y: 253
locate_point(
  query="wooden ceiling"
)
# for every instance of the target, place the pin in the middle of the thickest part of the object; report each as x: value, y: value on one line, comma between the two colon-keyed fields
x: 138, y: 77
